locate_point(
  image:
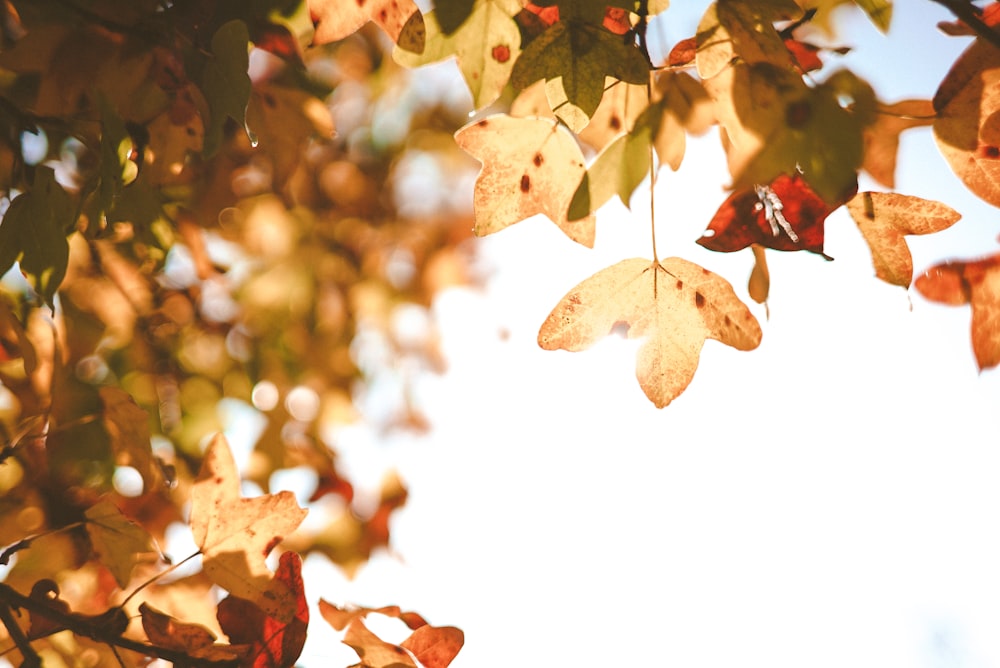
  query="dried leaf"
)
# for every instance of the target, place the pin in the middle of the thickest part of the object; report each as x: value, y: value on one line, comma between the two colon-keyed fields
x: 375, y: 652
x: 272, y: 643
x: 731, y: 29
x: 192, y: 639
x: 884, y: 219
x: 336, y: 19
x: 976, y: 283
x: 674, y: 305
x: 530, y: 166
x: 759, y: 284
x: 117, y: 540
x: 967, y: 127
x: 236, y: 534
x: 435, y: 647
x: 882, y: 137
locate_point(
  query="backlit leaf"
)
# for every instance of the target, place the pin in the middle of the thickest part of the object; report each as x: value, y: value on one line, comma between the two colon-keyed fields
x: 580, y: 55
x: 976, y: 283
x: 128, y: 429
x: 435, y: 647
x: 738, y: 29
x: 673, y: 306
x: 192, y: 639
x: 336, y: 19
x: 967, y: 128
x: 884, y: 219
x: 236, y: 534
x: 882, y: 137
x: 879, y: 11
x: 486, y: 46
x: 530, y: 166
x: 117, y: 540
x: 272, y: 643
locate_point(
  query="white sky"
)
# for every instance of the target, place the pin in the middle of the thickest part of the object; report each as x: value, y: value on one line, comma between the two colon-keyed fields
x: 829, y: 499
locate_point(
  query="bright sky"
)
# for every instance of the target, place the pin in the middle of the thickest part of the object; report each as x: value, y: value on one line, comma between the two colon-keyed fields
x: 829, y: 499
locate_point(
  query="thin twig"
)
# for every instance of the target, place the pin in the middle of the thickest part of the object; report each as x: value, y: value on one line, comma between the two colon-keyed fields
x: 969, y: 14
x: 31, y: 658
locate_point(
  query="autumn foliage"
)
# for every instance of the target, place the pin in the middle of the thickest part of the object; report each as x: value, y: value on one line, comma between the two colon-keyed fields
x: 218, y: 214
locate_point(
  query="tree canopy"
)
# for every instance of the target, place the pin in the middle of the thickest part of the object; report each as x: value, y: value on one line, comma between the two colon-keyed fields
x: 239, y: 213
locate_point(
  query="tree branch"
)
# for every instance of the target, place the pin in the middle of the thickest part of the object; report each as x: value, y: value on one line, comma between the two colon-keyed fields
x: 969, y: 14
x: 90, y: 628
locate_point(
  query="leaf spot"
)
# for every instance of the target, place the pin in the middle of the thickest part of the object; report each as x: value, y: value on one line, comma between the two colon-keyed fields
x: 538, y: 160
x: 680, y: 284
x: 991, y: 152
x: 615, y: 123
x: 525, y: 183
x: 501, y: 53
x: 699, y: 299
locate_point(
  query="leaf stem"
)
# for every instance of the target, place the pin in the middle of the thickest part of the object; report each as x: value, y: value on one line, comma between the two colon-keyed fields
x: 159, y: 575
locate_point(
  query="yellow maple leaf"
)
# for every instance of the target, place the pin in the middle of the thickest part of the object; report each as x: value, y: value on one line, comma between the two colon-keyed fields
x: 673, y: 305
x: 530, y: 166
x: 236, y: 534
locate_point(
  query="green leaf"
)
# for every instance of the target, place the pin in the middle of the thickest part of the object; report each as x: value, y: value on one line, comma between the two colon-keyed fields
x: 619, y: 168
x: 116, y: 168
x: 33, y: 232
x: 451, y: 14
x: 879, y: 11
x: 581, y: 55
x: 486, y: 46
x: 226, y: 84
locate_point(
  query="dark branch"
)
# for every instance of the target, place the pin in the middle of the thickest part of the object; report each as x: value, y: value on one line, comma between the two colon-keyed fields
x: 31, y: 658
x: 969, y: 14
x: 89, y: 628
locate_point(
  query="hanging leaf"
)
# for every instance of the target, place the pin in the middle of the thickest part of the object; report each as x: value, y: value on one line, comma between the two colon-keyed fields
x: 236, y: 534
x: 784, y: 215
x: 192, y: 639
x: 882, y: 137
x: 530, y: 166
x: 117, y: 540
x: 967, y: 127
x: 732, y: 29
x: 759, y: 285
x: 687, y: 108
x: 673, y: 306
x: 33, y: 233
x: 884, y: 219
x: 272, y: 643
x: 486, y: 46
x: 226, y: 84
x: 976, y: 283
x: 336, y: 19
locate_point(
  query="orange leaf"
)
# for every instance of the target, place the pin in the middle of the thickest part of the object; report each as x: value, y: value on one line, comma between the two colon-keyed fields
x: 978, y: 283
x: 273, y: 643
x: 759, y: 284
x: 236, y: 534
x: 375, y: 652
x: 674, y: 305
x: 882, y: 137
x: 435, y: 647
x: 967, y: 128
x: 192, y: 639
x: 530, y: 166
x: 884, y: 218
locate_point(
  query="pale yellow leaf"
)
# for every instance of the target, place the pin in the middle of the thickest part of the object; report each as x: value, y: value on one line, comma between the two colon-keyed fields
x: 117, y: 540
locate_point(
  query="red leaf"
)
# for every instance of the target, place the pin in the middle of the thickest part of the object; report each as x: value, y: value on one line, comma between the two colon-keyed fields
x: 435, y: 647
x: 786, y: 215
x: 272, y: 644
x: 683, y: 52
x: 805, y: 54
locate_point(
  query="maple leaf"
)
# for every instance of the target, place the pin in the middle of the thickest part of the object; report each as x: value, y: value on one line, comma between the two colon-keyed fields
x: 272, y: 643
x: 882, y: 137
x: 686, y: 109
x: 433, y: 646
x: 884, y: 218
x: 192, y: 639
x: 530, y: 166
x: 967, y: 128
x: 977, y: 283
x: 731, y: 29
x: 785, y: 215
x: 673, y: 305
x: 576, y: 57
x: 776, y: 124
x: 117, y: 540
x: 486, y: 45
x: 236, y: 534
x: 336, y: 19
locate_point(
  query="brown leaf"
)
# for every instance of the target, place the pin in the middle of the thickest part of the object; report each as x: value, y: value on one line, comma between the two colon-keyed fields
x: 117, y: 540
x: 882, y: 137
x: 375, y: 652
x: 884, y: 219
x: 967, y: 128
x: 976, y: 283
x: 435, y: 647
x: 674, y: 305
x: 530, y: 166
x: 236, y: 534
x: 336, y: 19
x: 193, y: 639
x: 759, y: 284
